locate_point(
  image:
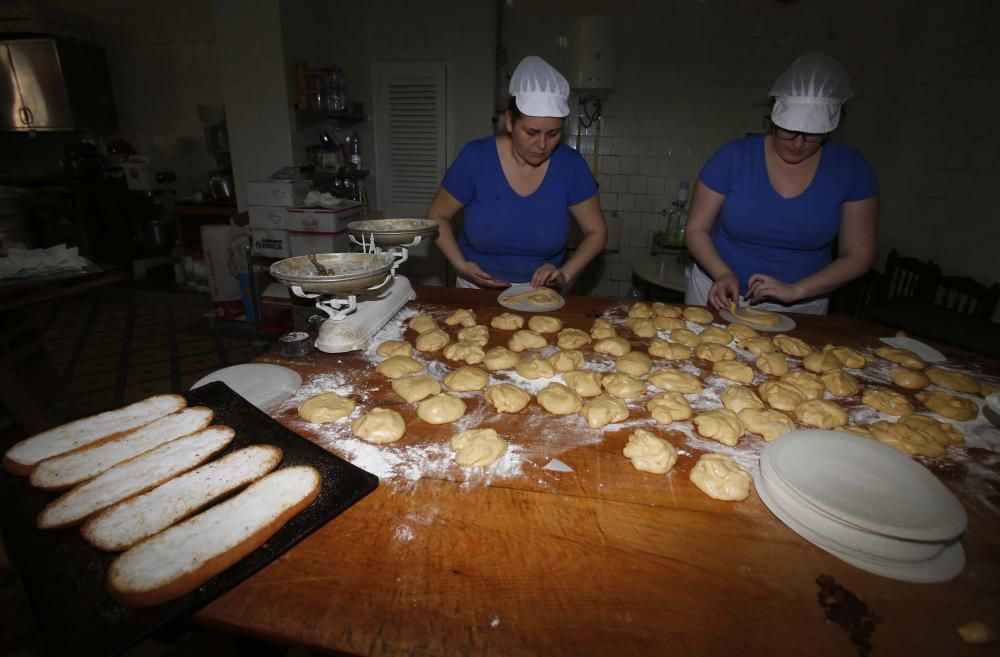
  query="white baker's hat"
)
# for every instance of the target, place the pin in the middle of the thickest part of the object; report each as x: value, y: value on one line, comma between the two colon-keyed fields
x: 539, y: 89
x: 809, y: 95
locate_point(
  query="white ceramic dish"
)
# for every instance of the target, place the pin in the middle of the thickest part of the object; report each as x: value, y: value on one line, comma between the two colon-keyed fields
x: 526, y: 306
x: 261, y: 384
x: 925, y: 351
x: 786, y: 323
x: 866, y: 484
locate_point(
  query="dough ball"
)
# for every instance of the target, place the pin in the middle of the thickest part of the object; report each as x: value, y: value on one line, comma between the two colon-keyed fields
x: 987, y: 389
x: 394, y: 348
x: 742, y: 331
x: 904, y: 377
x: 507, y: 322
x: 635, y: 363
x: 466, y: 379
x: 564, y: 360
x: 524, y: 339
x: 465, y: 351
x: 810, y: 385
x: 432, y: 340
x: 821, y: 362
x: 559, y: 399
x: 733, y: 370
x: 477, y: 448
x: 906, y: 439
x: 583, y: 383
x: 535, y: 366
x: 957, y: 381
x: 441, y: 408
x: 950, y: 406
x: 571, y: 338
x: 887, y: 401
x: 623, y: 386
x: 792, y: 346
x: 840, y: 383
x: 781, y: 395
x: 415, y: 387
x: 716, y: 335
x: 669, y: 323
x: 736, y: 398
x: 685, y: 337
x: 668, y: 378
x: 666, y: 350
x: 976, y: 633
x: 326, y: 407
x: 765, y: 422
x: 464, y: 316
x: 667, y: 407
x: 641, y: 327
x: 713, y: 352
x: 857, y: 430
x: 478, y: 334
x: 850, y: 358
x: 604, y: 410
x: 942, y: 432
x: 379, y: 425
x: 650, y: 453
x: 642, y: 310
x: 507, y: 397
x: 901, y: 357
x: 602, y: 328
x: 394, y: 367
x: 544, y: 324
x: 757, y: 346
x: 821, y: 413
x: 721, y: 478
x: 613, y: 346
x: 698, y: 315
x: 500, y: 358
x: 720, y: 424
x: 422, y: 323
x: 661, y: 309
x: 773, y: 363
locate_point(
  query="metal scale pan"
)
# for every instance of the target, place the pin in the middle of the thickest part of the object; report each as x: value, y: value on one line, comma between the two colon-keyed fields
x: 392, y: 232
x: 353, y: 272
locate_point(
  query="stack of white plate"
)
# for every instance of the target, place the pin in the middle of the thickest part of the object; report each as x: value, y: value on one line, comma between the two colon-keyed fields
x: 864, y: 502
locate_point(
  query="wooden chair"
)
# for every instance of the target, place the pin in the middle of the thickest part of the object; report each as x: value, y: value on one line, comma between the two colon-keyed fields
x: 853, y: 298
x: 908, y: 278
x: 967, y: 296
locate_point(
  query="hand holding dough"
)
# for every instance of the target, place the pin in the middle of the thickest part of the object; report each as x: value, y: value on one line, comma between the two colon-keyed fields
x: 721, y: 478
x: 604, y: 410
x: 650, y: 453
x: 478, y: 448
x: 379, y: 425
x: 441, y: 408
x: 326, y: 407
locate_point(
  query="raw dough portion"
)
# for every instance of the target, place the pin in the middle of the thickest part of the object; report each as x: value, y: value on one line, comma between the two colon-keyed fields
x: 544, y: 324
x: 976, y: 633
x: 613, y: 346
x: 477, y: 448
x: 741, y: 331
x: 666, y: 350
x: 525, y: 339
x: 661, y: 309
x: 559, y: 399
x: 721, y: 478
x: 542, y: 296
x: 887, y: 401
x: 755, y: 315
x: 470, y: 352
x: 415, y: 387
x: 716, y: 335
x: 792, y: 346
x: 604, y: 410
x: 564, y: 360
x: 858, y: 430
x: 773, y: 363
x: 986, y: 389
x: 641, y: 309
x: 432, y: 340
x: 810, y: 385
x: 500, y: 358
x: 635, y: 363
x: 507, y: 397
x: 668, y: 407
x: 623, y: 386
x: 583, y: 383
x: 906, y: 439
x: 950, y: 406
x: 765, y: 422
x: 669, y: 323
x: 685, y: 337
x: 466, y: 379
x: 957, y: 381
x: 379, y: 425
x: 422, y: 323
x: 821, y: 413
x: 736, y: 398
x: 507, y: 322
x: 781, y: 395
x: 902, y: 357
x: 394, y: 348
x: 850, y: 358
x: 840, y: 383
x: 441, y: 408
x: 572, y: 338
x: 602, y: 328
x: 698, y: 315
x: 397, y: 366
x: 668, y: 378
x: 942, y: 432
x: 464, y: 316
x: 714, y: 352
x: 326, y: 407
x: 641, y: 326
x: 904, y: 377
x: 478, y: 334
x: 733, y: 370
x: 757, y: 346
x: 649, y: 453
x: 720, y: 424
x: 821, y: 362
x: 535, y: 366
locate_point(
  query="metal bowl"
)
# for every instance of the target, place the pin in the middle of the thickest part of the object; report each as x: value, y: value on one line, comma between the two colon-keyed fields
x: 353, y: 272
x: 393, y: 232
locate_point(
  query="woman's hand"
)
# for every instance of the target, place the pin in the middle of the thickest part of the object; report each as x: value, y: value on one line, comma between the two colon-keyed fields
x: 548, y: 274
x: 762, y: 286
x: 724, y: 291
x: 477, y: 275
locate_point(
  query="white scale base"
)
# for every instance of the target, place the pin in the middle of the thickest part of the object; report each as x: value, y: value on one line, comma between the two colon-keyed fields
x: 356, y: 330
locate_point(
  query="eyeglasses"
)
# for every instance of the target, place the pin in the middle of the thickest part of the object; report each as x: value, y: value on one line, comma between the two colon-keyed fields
x: 789, y: 135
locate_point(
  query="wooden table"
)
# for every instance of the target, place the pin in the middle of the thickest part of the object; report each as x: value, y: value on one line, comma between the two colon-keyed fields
x: 604, y: 560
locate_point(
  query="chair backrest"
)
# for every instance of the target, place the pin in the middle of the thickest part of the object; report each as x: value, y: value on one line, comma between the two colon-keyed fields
x: 909, y: 278
x: 857, y: 295
x: 967, y: 296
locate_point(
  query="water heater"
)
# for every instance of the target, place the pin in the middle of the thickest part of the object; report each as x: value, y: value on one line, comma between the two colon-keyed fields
x: 595, y: 44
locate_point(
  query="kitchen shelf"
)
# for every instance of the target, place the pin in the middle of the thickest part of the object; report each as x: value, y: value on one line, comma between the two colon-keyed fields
x: 306, y: 118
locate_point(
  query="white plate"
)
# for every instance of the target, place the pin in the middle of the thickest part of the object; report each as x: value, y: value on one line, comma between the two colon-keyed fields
x: 786, y: 323
x: 525, y: 306
x: 261, y: 384
x: 925, y: 351
x: 866, y: 484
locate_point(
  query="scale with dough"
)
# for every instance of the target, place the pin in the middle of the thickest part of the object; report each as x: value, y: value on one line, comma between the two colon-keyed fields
x: 358, y: 292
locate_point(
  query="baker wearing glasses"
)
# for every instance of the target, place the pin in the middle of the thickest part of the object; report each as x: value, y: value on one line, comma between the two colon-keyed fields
x: 767, y: 208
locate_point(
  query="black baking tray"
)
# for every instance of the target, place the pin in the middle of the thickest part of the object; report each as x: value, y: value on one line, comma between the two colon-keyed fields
x: 63, y: 576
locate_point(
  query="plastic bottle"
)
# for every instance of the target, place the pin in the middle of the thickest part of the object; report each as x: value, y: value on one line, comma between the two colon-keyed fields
x: 355, y: 149
x: 677, y: 218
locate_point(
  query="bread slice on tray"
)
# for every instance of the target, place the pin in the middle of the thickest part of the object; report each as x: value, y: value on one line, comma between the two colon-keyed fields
x: 135, y: 476
x: 67, y: 470
x: 185, y: 556
x: 22, y: 458
x: 126, y: 523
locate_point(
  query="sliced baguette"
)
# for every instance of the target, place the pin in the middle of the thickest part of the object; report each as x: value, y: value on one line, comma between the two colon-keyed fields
x: 135, y: 476
x: 185, y: 556
x: 123, y: 525
x: 22, y: 458
x: 61, y: 472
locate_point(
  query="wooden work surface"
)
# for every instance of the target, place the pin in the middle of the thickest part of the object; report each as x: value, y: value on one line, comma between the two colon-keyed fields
x: 603, y: 560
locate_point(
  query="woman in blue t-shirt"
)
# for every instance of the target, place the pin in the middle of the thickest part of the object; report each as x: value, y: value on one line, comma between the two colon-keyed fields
x: 520, y: 192
x: 767, y: 208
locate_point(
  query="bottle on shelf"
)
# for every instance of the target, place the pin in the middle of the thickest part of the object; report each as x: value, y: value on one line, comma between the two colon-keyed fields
x: 355, y: 149
x: 677, y: 218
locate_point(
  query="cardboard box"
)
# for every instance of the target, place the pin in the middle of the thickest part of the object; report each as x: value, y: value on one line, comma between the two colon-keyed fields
x: 322, y: 220
x: 268, y: 217
x: 306, y: 243
x: 284, y: 193
x: 270, y: 243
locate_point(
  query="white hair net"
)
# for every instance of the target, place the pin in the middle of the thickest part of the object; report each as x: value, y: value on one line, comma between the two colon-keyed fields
x: 539, y: 89
x: 808, y: 96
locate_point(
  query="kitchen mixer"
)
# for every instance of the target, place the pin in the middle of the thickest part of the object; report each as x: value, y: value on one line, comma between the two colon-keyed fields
x: 358, y: 292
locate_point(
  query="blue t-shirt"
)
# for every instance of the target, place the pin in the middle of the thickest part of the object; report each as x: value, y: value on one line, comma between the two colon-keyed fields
x: 508, y: 235
x: 758, y: 231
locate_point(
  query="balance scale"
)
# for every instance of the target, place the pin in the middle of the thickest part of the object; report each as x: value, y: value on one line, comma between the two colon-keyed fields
x: 359, y: 292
